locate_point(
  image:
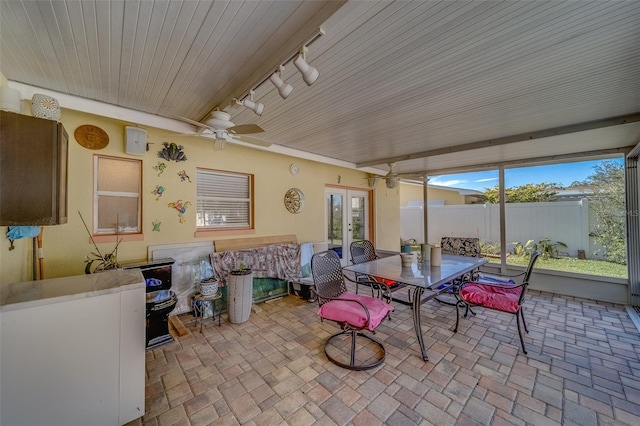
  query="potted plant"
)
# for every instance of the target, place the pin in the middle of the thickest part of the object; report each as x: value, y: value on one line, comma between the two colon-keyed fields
x: 239, y: 293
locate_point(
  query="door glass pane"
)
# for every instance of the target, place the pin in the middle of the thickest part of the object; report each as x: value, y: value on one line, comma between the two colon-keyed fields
x: 358, y: 222
x: 335, y: 223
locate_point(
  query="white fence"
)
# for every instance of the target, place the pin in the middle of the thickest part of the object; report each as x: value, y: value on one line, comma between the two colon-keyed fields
x: 567, y: 221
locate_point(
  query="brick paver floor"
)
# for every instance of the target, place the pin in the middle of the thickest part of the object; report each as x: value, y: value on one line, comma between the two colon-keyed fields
x: 583, y: 368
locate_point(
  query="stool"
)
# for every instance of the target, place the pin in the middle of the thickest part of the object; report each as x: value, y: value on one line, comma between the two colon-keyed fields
x: 199, y: 307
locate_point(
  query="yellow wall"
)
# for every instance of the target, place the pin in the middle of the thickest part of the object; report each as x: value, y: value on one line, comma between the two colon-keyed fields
x: 65, y: 246
x: 412, y: 192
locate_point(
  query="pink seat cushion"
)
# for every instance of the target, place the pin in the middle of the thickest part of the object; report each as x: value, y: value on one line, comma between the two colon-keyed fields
x: 492, y: 296
x: 385, y: 281
x: 352, y: 313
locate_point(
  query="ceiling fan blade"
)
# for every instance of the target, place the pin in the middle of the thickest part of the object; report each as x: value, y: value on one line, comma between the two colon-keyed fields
x: 245, y: 129
x: 252, y: 140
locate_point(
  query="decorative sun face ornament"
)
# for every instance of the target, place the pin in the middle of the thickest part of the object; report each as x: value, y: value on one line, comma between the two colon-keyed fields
x: 294, y: 200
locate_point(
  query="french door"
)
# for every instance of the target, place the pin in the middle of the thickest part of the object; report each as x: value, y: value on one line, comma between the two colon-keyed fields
x: 347, y: 219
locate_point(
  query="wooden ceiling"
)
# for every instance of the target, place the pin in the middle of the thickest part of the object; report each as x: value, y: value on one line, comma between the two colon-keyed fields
x: 434, y: 86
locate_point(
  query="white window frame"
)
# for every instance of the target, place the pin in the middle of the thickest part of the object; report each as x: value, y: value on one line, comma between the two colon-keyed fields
x: 137, y: 228
x: 232, y: 188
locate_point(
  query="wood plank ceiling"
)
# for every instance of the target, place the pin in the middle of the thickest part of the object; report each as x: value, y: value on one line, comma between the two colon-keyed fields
x: 399, y: 81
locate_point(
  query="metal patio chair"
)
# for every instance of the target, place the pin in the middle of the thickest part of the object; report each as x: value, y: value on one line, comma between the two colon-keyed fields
x: 354, y: 313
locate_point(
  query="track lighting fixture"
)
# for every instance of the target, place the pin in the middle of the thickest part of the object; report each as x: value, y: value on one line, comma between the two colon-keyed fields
x: 256, y: 107
x: 284, y: 88
x: 309, y: 73
x: 298, y: 57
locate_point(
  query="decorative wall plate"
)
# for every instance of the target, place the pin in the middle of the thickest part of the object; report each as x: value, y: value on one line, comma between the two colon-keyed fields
x: 91, y: 137
x: 294, y: 200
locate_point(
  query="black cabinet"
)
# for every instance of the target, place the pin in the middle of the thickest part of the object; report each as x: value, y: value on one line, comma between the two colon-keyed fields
x: 33, y: 171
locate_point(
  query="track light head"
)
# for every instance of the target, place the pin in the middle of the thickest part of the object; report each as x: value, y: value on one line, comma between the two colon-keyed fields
x: 284, y: 89
x: 256, y: 107
x: 248, y: 102
x: 309, y: 73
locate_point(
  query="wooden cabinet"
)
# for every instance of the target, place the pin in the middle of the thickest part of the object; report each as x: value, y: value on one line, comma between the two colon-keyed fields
x: 33, y: 171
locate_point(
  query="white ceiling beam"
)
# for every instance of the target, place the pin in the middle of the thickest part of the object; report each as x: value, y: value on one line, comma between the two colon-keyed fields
x: 539, y: 134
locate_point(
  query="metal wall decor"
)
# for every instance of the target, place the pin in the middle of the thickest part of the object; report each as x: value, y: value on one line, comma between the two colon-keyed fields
x: 181, y: 207
x: 172, y: 151
x: 160, y: 167
x: 158, y: 191
x: 294, y: 200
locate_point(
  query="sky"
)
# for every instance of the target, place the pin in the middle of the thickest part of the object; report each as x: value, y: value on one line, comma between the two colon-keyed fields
x: 563, y: 174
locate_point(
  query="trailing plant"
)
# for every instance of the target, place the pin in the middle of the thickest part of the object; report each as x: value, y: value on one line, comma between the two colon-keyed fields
x: 103, y: 262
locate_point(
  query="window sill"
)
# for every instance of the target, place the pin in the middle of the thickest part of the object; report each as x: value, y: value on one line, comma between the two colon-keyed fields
x: 113, y: 238
x: 208, y: 233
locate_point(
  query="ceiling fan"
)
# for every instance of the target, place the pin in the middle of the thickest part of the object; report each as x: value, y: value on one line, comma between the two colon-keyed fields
x: 392, y: 178
x: 219, y: 125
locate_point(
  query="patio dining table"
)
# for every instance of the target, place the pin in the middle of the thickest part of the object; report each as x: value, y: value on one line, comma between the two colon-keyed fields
x: 426, y: 280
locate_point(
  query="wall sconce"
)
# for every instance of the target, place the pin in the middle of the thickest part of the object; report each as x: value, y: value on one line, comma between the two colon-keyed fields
x: 256, y: 107
x: 284, y: 89
x: 309, y: 73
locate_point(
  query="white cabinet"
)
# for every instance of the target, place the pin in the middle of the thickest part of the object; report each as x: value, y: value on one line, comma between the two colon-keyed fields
x: 74, y: 359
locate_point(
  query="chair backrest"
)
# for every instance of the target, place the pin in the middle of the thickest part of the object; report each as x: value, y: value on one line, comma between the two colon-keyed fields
x: 327, y: 275
x: 362, y: 251
x: 532, y: 261
x: 534, y: 257
x: 461, y: 246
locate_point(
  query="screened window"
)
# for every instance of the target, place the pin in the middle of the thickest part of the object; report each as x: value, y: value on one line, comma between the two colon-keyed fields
x: 117, y: 201
x: 224, y: 200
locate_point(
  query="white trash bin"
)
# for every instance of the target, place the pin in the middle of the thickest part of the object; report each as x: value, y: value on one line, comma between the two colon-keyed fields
x: 239, y: 295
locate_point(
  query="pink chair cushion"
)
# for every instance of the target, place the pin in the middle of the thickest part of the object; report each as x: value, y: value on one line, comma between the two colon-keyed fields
x: 385, y: 281
x: 492, y: 296
x: 352, y: 313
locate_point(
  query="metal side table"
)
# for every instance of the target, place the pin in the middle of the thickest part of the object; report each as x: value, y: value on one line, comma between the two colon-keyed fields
x: 200, y: 303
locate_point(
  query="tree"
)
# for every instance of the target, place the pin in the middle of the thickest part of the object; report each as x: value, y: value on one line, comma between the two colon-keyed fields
x: 608, y: 205
x: 529, y: 193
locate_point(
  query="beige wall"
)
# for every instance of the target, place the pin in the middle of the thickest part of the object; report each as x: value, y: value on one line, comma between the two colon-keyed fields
x: 412, y: 192
x: 65, y: 246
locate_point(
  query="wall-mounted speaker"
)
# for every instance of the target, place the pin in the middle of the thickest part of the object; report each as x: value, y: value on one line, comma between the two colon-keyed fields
x: 135, y: 140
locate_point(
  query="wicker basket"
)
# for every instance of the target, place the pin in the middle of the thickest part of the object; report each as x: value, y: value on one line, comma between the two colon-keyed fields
x: 209, y: 287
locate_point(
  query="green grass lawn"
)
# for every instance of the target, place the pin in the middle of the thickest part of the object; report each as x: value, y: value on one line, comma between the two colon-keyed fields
x: 568, y: 264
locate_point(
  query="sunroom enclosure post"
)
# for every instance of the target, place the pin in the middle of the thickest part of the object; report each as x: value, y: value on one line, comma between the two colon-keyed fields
x: 633, y: 224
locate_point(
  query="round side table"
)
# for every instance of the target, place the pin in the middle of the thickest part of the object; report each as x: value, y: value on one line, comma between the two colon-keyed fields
x: 200, y: 303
